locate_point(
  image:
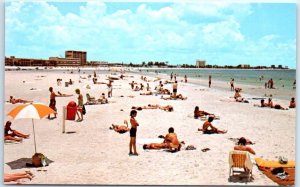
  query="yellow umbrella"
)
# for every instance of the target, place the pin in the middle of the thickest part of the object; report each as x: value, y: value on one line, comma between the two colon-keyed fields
x: 33, y: 111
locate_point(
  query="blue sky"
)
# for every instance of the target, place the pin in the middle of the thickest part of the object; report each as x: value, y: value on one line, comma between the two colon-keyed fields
x: 180, y: 33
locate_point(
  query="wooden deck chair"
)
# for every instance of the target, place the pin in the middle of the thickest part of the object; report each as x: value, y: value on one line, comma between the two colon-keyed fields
x: 240, y: 159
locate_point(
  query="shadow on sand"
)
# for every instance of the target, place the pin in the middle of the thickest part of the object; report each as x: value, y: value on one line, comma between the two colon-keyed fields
x: 23, y: 163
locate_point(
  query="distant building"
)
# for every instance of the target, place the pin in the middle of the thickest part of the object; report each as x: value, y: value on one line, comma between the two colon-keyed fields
x: 77, y: 54
x: 65, y: 61
x: 98, y: 63
x: 73, y: 58
x: 13, y: 61
x: 200, y: 63
x: 244, y: 66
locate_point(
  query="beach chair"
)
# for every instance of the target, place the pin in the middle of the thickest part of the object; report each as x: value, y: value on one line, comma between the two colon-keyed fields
x: 241, y: 160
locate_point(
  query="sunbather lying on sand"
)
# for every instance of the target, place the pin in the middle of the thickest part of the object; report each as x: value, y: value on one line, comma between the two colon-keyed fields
x: 200, y: 113
x: 179, y: 96
x: 168, y: 108
x: 120, y: 128
x: 63, y: 95
x: 16, y: 176
x: 147, y: 93
x: 262, y: 104
x: 14, y: 101
x: 208, y: 128
x: 11, y: 136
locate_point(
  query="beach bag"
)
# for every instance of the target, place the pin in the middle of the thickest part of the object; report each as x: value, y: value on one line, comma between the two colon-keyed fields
x: 83, y: 110
x: 39, y: 160
x: 275, y: 171
x: 283, y: 160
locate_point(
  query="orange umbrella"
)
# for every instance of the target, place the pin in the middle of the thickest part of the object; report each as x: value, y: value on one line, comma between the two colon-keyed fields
x: 33, y: 111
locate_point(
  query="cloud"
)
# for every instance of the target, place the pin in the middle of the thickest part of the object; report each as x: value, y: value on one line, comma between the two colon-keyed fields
x: 178, y: 32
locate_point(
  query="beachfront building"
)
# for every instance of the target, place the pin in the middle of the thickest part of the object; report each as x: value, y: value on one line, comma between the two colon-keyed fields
x: 13, y: 61
x: 200, y: 63
x: 244, y: 66
x: 76, y: 54
x: 65, y: 61
x: 98, y: 63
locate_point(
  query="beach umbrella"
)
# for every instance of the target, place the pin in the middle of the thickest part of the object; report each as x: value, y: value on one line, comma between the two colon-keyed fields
x: 31, y: 111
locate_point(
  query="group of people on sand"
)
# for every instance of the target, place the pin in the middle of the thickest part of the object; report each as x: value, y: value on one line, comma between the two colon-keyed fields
x: 275, y: 106
x: 167, y: 108
x: 170, y: 140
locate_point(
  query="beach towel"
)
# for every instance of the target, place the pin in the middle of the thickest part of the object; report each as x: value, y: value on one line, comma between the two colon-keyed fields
x: 273, y: 164
x: 283, y: 179
x: 143, y: 141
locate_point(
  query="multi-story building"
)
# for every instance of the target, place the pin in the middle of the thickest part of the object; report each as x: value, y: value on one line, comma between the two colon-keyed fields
x: 77, y: 54
x: 200, y: 63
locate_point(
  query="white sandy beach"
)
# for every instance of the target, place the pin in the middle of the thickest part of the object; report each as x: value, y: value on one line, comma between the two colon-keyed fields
x: 90, y: 153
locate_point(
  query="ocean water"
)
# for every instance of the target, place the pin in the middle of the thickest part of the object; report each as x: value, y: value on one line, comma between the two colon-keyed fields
x: 249, y: 80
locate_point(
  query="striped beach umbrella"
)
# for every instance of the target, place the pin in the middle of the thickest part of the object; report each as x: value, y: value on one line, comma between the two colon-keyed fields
x: 33, y: 111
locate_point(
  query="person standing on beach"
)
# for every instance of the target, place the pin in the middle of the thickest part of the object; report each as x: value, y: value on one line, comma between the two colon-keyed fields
x: 294, y: 84
x: 171, y: 76
x: 232, y: 85
x: 52, y: 103
x: 185, y: 78
x: 209, y: 81
x: 132, y: 85
x: 271, y: 84
x: 175, y: 77
x: 175, y: 88
x: 148, y: 87
x: 133, y: 130
x: 79, y: 106
x: 109, y: 94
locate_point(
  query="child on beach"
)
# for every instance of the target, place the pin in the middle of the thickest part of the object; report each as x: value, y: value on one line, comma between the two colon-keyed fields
x: 133, y: 130
x: 79, y: 106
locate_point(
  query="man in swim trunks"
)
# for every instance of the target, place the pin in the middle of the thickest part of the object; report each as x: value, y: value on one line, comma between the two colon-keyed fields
x: 52, y: 103
x: 208, y: 128
x: 175, y: 88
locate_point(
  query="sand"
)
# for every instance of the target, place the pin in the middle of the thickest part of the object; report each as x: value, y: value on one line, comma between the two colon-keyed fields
x: 90, y: 153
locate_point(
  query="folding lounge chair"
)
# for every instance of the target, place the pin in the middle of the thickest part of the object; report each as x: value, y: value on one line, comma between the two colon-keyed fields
x: 240, y: 159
